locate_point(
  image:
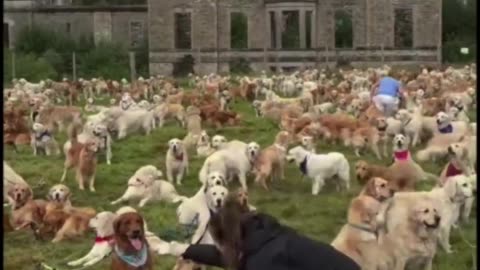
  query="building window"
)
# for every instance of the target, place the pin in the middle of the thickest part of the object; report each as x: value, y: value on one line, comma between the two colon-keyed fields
x: 68, y: 28
x: 238, y: 30
x: 136, y: 34
x: 273, y: 30
x: 308, y: 29
x: 183, y: 30
x: 290, y: 29
x: 403, y: 28
x: 6, y: 35
x: 343, y: 29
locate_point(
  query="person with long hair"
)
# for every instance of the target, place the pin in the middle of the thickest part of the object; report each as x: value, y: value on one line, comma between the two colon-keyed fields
x: 247, y: 240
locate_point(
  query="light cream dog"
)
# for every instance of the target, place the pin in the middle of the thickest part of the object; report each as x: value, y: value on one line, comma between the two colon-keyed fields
x: 176, y: 161
x: 43, y: 140
x: 145, y: 185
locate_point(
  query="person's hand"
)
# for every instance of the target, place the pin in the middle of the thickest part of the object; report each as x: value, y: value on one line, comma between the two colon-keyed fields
x: 177, y: 249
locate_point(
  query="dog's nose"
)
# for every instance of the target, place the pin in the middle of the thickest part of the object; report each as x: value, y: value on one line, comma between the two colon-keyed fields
x: 219, y: 183
x: 136, y: 233
x: 438, y: 121
x: 18, y: 197
x: 57, y: 196
x: 219, y: 202
x: 437, y: 219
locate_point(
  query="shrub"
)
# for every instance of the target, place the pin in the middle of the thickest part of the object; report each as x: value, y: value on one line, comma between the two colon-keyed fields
x: 184, y: 66
x: 107, y: 59
x: 240, y: 66
x: 27, y: 66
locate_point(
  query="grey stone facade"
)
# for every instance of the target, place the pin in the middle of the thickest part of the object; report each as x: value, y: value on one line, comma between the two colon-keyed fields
x: 112, y: 23
x: 372, y: 21
x: 373, y: 25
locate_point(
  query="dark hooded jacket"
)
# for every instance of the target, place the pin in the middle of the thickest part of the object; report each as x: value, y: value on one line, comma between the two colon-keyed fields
x: 271, y: 246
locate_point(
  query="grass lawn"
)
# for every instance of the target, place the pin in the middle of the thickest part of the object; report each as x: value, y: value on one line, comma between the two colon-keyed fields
x: 319, y: 217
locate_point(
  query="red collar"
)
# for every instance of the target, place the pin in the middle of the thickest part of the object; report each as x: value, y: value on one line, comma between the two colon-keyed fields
x: 179, y: 157
x: 401, y: 155
x: 99, y: 239
x: 452, y: 170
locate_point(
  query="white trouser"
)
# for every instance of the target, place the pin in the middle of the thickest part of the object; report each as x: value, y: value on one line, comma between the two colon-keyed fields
x: 387, y: 104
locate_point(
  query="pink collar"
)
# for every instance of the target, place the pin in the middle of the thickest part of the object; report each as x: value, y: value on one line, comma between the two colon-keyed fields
x: 109, y: 239
x: 401, y: 155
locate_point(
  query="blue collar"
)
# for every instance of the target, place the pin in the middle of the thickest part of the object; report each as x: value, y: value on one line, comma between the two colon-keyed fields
x: 446, y: 130
x: 303, y: 166
x: 136, y: 260
x: 44, y: 134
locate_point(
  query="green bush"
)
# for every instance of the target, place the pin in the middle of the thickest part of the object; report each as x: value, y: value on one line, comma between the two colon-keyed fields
x: 451, y: 51
x: 107, y: 59
x: 27, y: 66
x: 184, y: 66
x: 240, y: 66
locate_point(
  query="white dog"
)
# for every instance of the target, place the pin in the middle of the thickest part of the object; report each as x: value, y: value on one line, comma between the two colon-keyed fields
x: 231, y: 161
x: 134, y: 120
x: 176, y: 161
x: 447, y: 199
x: 204, y: 148
x: 60, y: 193
x: 411, y: 124
x: 10, y: 179
x: 145, y: 185
x: 102, y: 224
x: 42, y: 139
x: 218, y: 141
x: 195, y: 211
x: 447, y: 126
x: 321, y: 167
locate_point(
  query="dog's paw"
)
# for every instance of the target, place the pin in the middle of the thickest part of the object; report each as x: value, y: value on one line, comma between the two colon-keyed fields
x: 92, y: 189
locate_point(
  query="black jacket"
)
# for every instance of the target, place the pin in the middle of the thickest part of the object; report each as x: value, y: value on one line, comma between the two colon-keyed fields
x: 271, y: 246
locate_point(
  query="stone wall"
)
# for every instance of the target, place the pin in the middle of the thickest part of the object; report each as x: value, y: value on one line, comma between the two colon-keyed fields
x: 83, y: 21
x: 372, y: 21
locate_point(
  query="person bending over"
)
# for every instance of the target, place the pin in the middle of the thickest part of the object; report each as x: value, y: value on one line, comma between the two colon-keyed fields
x: 255, y: 241
x: 386, y: 93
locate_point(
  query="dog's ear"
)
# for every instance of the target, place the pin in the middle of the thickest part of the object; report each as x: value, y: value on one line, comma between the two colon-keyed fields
x: 450, y: 188
x: 370, y: 189
x: 49, y: 196
x: 29, y: 194
x: 10, y: 191
x: 117, y: 222
x: 205, y: 188
x: 68, y: 195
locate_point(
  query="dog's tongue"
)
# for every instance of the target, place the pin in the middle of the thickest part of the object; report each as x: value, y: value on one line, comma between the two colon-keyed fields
x: 136, y: 243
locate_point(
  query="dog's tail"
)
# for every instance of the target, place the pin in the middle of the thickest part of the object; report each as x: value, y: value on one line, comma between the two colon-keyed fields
x: 178, y: 199
x: 203, y: 174
x: 428, y: 153
x: 73, y: 131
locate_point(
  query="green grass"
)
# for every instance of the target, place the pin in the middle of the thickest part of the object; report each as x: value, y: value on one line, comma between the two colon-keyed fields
x: 319, y: 217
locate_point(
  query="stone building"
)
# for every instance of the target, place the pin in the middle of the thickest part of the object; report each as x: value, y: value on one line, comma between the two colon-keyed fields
x: 267, y: 34
x: 382, y: 31
x: 126, y: 24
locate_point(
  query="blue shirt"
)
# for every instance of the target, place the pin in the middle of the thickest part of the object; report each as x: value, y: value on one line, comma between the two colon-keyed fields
x: 389, y: 87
